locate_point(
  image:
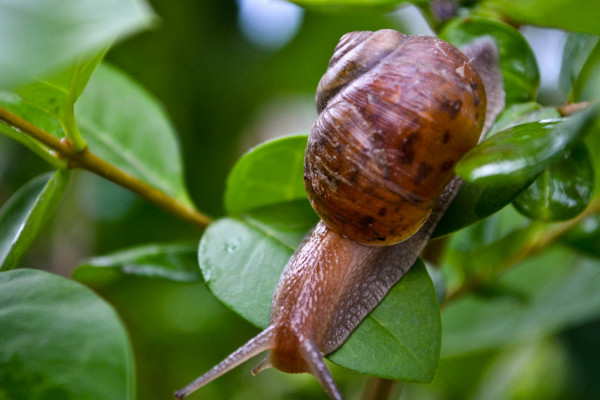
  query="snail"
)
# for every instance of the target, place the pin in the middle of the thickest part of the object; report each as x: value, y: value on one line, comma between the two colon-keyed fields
x: 396, y: 113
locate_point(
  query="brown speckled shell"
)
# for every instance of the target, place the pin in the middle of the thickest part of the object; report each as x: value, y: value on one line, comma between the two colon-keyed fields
x: 396, y: 114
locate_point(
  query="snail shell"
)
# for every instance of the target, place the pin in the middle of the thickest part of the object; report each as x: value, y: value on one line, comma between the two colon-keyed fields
x: 396, y: 112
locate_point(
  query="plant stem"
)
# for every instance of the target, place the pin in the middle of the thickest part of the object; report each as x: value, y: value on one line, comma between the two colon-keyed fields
x: 68, y: 118
x: 539, y: 242
x: 87, y: 160
x: 380, y: 389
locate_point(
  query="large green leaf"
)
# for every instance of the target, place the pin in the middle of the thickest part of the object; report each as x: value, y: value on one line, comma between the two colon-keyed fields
x: 127, y: 127
x: 26, y: 212
x: 563, y: 190
x: 242, y: 260
x: 172, y: 261
x: 40, y: 36
x: 517, y: 61
x: 524, y: 151
x: 60, y: 341
x: 254, y: 182
x: 572, y: 15
x: 550, y: 292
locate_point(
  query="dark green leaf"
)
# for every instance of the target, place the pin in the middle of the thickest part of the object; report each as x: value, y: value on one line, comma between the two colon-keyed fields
x: 587, y: 85
x: 125, y: 126
x: 559, y: 289
x: 242, y: 260
x: 524, y: 151
x: 562, y: 191
x: 517, y: 61
x: 268, y: 174
x: 176, y: 262
x: 476, y: 201
x: 40, y: 36
x: 26, y: 212
x: 60, y: 341
x: 585, y: 236
x: 579, y: 16
x: 400, y: 339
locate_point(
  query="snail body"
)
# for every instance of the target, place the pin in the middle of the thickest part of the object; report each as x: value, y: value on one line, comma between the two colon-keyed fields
x: 396, y: 112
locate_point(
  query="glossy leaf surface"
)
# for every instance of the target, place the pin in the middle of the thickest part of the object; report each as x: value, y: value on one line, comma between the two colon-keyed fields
x: 476, y: 201
x: 242, y: 261
x: 521, y: 113
x: 254, y: 181
x: 60, y: 341
x: 562, y: 191
x: 517, y: 61
x: 125, y: 126
x: 579, y: 16
x: 524, y: 151
x: 25, y: 213
x: 44, y: 35
x: 175, y: 262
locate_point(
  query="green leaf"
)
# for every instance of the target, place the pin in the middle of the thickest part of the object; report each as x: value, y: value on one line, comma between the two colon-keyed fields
x: 587, y: 85
x: 41, y: 36
x: 579, y: 15
x: 562, y: 191
x: 242, y: 260
x: 16, y: 105
x: 127, y: 127
x: 524, y: 151
x: 521, y: 113
x: 26, y: 212
x: 401, y: 338
x: 517, y: 60
x: 60, y: 341
x: 57, y: 94
x: 268, y: 174
x: 575, y: 53
x: 476, y: 201
x: 558, y: 290
x: 238, y: 256
x: 585, y: 236
x: 173, y: 261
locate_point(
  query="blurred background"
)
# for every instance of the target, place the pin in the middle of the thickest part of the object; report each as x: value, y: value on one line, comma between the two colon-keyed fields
x: 232, y: 74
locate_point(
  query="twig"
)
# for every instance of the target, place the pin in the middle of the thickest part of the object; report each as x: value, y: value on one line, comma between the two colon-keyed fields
x: 380, y: 389
x: 539, y: 242
x: 87, y: 160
